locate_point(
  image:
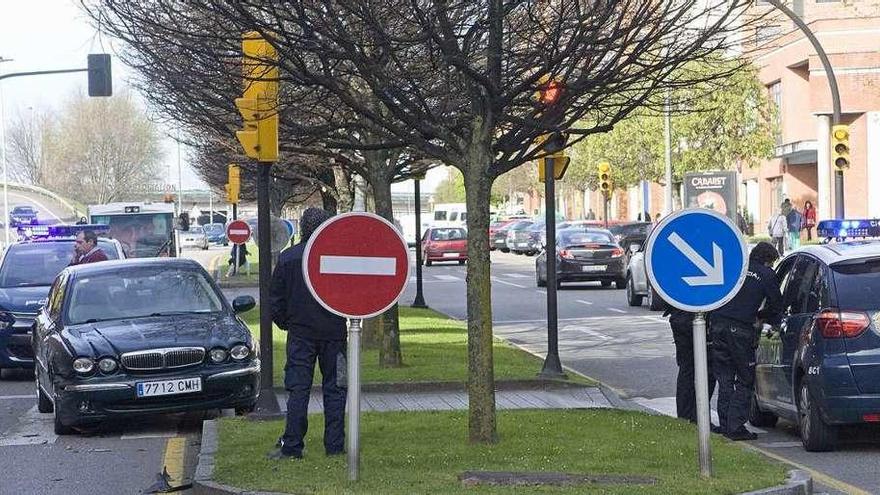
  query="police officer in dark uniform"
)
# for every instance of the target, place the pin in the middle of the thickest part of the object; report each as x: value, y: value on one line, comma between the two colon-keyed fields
x: 682, y: 323
x: 735, y: 339
x: 313, y: 333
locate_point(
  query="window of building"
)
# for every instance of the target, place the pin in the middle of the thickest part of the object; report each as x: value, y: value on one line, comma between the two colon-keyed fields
x: 777, y: 195
x: 763, y: 34
x: 827, y: 1
x: 775, y: 91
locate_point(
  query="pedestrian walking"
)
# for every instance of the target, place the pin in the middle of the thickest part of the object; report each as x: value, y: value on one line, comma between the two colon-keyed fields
x: 777, y: 227
x: 741, y: 221
x: 735, y: 339
x: 313, y: 334
x: 86, y: 250
x: 591, y: 215
x: 795, y: 222
x: 682, y: 323
x: 809, y: 219
x: 237, y: 258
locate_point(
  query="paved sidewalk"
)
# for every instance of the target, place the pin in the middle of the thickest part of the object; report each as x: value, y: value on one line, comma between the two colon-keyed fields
x: 567, y: 398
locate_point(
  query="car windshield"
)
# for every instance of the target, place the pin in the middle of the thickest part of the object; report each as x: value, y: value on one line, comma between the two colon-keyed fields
x: 520, y: 225
x: 630, y: 229
x: 138, y: 292
x: 38, y: 263
x: 581, y: 238
x: 23, y: 209
x: 214, y: 228
x: 196, y: 230
x: 448, y: 235
x: 858, y: 284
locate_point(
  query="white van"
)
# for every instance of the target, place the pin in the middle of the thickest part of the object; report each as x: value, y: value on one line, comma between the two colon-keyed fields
x: 449, y: 215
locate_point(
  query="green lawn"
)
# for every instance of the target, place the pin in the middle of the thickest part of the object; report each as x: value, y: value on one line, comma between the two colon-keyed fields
x: 434, y: 349
x: 423, y: 452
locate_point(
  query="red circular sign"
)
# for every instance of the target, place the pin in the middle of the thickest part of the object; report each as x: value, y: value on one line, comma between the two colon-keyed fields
x: 356, y: 265
x: 238, y: 232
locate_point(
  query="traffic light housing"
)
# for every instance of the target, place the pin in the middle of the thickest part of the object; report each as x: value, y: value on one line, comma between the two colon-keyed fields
x: 560, y: 165
x: 840, y: 146
x: 233, y: 185
x: 100, y: 76
x: 605, y: 184
x: 259, y: 103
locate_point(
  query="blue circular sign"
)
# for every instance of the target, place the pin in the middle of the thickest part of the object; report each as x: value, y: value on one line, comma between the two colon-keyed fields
x: 696, y: 259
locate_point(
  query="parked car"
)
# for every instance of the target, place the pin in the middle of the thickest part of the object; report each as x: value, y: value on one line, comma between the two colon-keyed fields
x: 139, y: 337
x: 444, y: 244
x: 638, y: 288
x: 216, y: 233
x: 22, y: 215
x: 495, y: 227
x: 499, y: 241
x: 822, y: 368
x: 627, y: 234
x: 194, y: 238
x: 517, y: 236
x: 27, y: 269
x: 584, y: 255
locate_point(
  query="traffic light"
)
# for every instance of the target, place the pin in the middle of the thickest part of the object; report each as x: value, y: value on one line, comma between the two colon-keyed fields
x: 560, y: 165
x: 233, y: 186
x: 259, y: 103
x: 840, y: 146
x: 100, y: 77
x: 605, y: 185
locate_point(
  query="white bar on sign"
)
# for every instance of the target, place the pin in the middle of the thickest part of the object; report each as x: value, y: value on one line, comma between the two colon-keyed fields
x: 238, y: 231
x: 358, y: 265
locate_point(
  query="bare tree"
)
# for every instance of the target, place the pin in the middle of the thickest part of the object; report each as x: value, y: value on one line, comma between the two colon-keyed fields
x: 29, y: 144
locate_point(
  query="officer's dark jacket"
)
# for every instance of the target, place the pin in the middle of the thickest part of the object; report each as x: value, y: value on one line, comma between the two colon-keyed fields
x: 292, y: 305
x: 761, y: 283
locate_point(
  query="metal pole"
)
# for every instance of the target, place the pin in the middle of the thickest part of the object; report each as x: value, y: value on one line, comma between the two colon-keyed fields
x: 211, y: 206
x: 605, y: 200
x: 179, y: 177
x: 702, y: 391
x: 5, y: 166
x: 267, y: 397
x: 234, y: 246
x: 354, y: 398
x: 419, y: 301
x: 667, y: 143
x: 552, y: 367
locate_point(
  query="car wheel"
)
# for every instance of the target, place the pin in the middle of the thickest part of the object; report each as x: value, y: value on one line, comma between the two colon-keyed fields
x: 759, y: 418
x: 606, y: 283
x: 538, y: 280
x: 816, y: 435
x: 244, y: 411
x: 460, y: 262
x: 427, y: 262
x: 505, y: 250
x: 44, y: 405
x: 631, y: 297
x: 620, y: 283
x: 654, y: 302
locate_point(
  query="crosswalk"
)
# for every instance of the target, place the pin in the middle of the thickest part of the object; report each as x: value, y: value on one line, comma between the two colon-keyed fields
x: 445, y: 277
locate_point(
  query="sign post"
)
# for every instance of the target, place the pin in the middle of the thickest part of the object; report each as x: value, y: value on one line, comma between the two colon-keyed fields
x: 696, y: 261
x: 356, y: 265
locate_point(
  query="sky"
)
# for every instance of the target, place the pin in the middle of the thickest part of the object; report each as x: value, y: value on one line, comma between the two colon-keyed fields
x: 55, y: 34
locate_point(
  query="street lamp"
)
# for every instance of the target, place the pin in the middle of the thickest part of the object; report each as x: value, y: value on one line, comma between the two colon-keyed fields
x: 3, y: 160
x: 419, y: 301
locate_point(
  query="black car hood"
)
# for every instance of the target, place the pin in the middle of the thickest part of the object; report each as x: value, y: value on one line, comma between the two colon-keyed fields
x: 26, y: 300
x: 119, y: 336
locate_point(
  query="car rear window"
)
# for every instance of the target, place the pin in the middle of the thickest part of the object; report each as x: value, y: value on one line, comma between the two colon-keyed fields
x: 448, y: 234
x: 858, y: 284
x: 38, y: 264
x: 582, y: 238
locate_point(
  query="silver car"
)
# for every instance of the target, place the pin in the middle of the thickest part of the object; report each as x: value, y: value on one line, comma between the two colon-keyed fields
x: 195, y: 237
x: 637, y: 286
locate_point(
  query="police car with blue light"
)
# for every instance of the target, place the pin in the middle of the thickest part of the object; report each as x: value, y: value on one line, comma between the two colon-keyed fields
x: 821, y: 367
x: 27, y: 270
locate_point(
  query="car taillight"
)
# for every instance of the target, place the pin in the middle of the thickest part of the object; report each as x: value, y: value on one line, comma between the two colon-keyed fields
x: 565, y: 253
x: 616, y: 252
x: 836, y: 324
x: 871, y: 418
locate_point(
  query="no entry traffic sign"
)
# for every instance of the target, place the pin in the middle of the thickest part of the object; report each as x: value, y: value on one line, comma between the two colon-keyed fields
x: 238, y: 232
x: 356, y: 265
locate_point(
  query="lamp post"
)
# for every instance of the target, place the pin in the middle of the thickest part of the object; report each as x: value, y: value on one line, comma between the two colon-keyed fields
x: 3, y: 160
x: 419, y: 301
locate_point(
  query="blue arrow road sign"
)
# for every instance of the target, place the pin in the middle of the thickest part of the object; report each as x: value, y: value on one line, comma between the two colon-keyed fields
x: 696, y: 259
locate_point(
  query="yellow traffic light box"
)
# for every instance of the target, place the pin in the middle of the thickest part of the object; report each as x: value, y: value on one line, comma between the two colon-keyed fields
x: 233, y: 185
x: 840, y: 146
x: 605, y: 184
x: 259, y: 104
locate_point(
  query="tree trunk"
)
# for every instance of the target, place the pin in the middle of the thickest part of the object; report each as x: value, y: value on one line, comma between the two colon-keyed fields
x: 343, y: 189
x: 328, y: 202
x: 481, y: 373
x: 371, y: 335
x: 389, y: 353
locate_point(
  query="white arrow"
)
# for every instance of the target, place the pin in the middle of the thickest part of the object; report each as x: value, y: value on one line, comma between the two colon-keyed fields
x: 712, y: 274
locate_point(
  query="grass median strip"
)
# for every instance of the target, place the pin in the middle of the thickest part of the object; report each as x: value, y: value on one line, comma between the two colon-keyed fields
x: 424, y: 452
x: 434, y: 349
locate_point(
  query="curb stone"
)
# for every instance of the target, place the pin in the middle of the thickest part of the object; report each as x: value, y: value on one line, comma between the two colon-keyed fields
x: 797, y: 482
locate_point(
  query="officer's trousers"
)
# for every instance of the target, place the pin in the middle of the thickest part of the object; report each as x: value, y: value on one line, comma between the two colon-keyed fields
x: 685, y: 395
x: 298, y: 375
x: 733, y: 354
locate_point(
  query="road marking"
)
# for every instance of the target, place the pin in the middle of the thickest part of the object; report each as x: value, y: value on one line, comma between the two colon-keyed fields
x: 817, y: 475
x: 658, y: 319
x: 175, y: 453
x: 17, y: 397
x: 508, y: 283
x: 617, y: 310
x: 517, y: 275
x: 141, y: 436
x: 780, y: 445
x: 539, y: 291
x: 33, y: 428
x: 593, y: 333
x: 448, y: 278
x: 40, y: 206
x: 588, y: 303
x: 358, y: 265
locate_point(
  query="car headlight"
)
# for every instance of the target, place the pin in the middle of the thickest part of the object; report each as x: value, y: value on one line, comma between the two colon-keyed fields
x: 218, y: 355
x: 239, y: 352
x: 107, y: 365
x: 83, y: 365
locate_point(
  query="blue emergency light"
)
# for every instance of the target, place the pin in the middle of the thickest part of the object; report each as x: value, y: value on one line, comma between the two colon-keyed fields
x: 842, y: 229
x: 59, y: 231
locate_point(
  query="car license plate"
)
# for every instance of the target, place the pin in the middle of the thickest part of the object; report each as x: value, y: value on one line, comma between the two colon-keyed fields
x: 523, y: 244
x: 450, y: 255
x: 593, y: 268
x: 172, y: 386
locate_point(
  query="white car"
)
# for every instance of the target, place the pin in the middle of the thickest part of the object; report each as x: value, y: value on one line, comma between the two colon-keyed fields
x: 637, y: 286
x: 195, y: 237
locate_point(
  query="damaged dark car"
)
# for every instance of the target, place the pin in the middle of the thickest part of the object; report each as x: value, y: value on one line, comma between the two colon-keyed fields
x: 138, y: 337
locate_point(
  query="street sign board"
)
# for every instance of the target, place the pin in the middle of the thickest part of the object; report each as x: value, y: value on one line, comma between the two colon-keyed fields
x: 356, y: 265
x: 696, y: 259
x: 238, y: 232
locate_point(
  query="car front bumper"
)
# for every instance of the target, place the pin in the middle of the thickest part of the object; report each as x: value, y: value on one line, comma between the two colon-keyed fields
x: 446, y: 256
x: 86, y: 401
x: 16, y: 348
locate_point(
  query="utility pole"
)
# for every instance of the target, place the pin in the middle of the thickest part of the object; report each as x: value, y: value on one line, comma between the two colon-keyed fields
x: 3, y: 159
x: 667, y: 143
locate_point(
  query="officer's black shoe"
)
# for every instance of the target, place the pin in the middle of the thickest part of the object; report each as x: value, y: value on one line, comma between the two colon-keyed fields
x: 279, y: 454
x: 741, y: 434
x: 279, y: 443
x: 717, y: 429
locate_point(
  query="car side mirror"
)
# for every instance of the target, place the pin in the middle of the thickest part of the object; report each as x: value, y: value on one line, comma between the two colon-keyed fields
x: 634, y: 248
x: 242, y: 304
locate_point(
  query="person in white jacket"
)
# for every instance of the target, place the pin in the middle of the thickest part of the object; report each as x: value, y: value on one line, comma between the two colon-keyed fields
x: 778, y: 229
